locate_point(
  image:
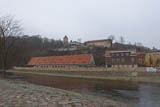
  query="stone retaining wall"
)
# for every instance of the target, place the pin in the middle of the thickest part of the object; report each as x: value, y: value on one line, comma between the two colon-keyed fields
x: 103, y: 72
x: 75, y: 68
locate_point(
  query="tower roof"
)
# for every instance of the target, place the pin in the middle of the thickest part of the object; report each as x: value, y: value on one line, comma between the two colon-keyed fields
x: 65, y: 36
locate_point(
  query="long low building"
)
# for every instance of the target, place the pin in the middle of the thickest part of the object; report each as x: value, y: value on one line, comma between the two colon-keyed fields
x: 54, y: 61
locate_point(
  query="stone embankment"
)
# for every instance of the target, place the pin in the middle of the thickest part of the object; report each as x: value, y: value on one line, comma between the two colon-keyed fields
x: 16, y: 93
x: 148, y: 77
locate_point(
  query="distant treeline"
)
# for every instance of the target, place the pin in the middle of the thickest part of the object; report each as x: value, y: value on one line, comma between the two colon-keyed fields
x: 26, y: 47
x: 131, y: 46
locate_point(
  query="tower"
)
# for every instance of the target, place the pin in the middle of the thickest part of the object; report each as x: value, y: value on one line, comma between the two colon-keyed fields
x: 65, y: 40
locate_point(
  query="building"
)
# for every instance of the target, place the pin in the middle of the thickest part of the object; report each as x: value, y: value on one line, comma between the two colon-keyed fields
x: 75, y: 43
x: 141, y: 58
x: 121, y: 58
x: 100, y: 43
x: 61, y: 61
x: 152, y: 59
x: 65, y: 40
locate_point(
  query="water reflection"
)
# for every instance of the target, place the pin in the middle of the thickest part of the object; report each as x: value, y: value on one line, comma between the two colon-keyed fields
x: 138, y: 95
x: 149, y: 95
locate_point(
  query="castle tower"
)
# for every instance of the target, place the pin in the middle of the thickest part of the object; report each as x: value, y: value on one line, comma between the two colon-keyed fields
x: 65, y: 40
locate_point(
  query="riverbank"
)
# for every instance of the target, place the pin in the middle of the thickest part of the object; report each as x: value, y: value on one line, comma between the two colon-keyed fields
x: 148, y: 77
x: 17, y: 93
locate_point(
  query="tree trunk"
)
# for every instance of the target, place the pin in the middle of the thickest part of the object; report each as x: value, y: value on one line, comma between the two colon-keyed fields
x: 4, y: 67
x: 4, y: 72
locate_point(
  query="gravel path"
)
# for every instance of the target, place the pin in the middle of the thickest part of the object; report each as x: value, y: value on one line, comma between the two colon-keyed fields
x: 16, y: 93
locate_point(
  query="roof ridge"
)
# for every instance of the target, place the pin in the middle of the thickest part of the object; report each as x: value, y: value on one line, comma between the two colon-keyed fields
x: 60, y: 56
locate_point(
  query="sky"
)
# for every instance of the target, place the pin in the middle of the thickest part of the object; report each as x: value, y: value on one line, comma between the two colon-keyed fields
x: 135, y: 20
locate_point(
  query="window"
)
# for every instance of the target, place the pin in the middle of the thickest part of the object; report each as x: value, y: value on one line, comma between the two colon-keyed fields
x: 117, y: 54
x: 112, y: 54
x: 122, y: 60
x: 113, y: 60
x: 118, y: 59
x: 127, y: 54
x: 132, y: 60
x: 122, y: 54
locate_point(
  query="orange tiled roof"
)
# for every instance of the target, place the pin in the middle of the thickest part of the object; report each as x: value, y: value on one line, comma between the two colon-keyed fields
x: 64, y: 60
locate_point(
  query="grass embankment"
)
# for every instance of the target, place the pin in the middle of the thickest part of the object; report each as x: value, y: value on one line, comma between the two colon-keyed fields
x: 151, y: 79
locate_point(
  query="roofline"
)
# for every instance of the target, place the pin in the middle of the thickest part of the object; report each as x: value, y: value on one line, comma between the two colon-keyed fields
x: 98, y: 40
x: 153, y: 52
x: 119, y: 51
x: 60, y: 63
x: 57, y: 64
x: 61, y: 56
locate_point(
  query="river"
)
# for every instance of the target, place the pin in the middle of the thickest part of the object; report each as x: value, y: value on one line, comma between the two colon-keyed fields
x: 133, y: 93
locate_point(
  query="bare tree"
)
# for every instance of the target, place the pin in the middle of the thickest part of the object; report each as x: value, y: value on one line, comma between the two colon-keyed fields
x: 112, y: 37
x: 139, y: 44
x: 9, y: 32
x: 129, y: 43
x: 122, y: 40
x: 79, y: 40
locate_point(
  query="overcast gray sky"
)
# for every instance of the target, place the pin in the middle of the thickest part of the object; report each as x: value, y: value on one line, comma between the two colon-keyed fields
x: 136, y: 20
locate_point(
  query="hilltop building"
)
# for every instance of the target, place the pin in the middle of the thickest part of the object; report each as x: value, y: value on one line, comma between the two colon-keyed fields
x: 76, y: 45
x: 106, y: 43
x: 61, y: 61
x: 65, y: 40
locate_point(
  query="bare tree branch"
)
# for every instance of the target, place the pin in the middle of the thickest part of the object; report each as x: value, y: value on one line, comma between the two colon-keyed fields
x: 9, y: 31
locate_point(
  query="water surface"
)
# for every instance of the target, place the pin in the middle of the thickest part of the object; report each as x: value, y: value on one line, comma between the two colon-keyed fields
x: 136, y: 94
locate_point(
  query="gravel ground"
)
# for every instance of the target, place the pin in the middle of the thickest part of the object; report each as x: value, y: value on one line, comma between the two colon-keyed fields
x: 17, y: 93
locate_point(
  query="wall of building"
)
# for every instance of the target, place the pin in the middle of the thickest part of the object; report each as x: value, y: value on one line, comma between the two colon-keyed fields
x: 124, y: 66
x: 141, y: 60
x: 151, y: 59
x: 101, y: 43
x: 65, y: 40
x: 121, y: 59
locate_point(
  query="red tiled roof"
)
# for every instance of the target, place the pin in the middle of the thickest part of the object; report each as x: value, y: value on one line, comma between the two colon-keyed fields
x: 64, y: 60
x: 99, y: 40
